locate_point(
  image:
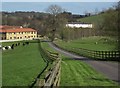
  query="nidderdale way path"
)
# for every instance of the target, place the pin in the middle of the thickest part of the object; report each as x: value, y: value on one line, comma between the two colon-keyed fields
x: 107, y: 68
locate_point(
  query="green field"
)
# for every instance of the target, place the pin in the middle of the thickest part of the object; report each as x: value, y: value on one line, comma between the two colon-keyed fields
x: 78, y: 73
x: 24, y: 63
x: 93, y: 19
x: 21, y: 65
x: 90, y: 43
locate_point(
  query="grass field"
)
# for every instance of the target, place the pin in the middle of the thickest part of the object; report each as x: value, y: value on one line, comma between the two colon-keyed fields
x: 90, y: 43
x: 24, y: 63
x: 21, y: 65
x: 93, y: 19
x: 77, y: 73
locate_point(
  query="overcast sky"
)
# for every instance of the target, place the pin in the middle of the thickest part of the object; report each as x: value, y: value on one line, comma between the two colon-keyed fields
x: 74, y: 7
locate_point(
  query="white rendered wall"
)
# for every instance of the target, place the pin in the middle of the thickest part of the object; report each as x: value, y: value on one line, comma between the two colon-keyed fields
x: 79, y: 25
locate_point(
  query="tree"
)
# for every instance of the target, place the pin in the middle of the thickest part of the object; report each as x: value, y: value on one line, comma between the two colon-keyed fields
x: 55, y: 20
x: 110, y: 22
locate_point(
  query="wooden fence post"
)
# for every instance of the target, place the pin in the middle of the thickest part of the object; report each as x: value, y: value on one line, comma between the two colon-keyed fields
x: 40, y: 82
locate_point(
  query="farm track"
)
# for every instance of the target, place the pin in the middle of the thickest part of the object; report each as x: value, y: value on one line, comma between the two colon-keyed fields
x: 108, y: 68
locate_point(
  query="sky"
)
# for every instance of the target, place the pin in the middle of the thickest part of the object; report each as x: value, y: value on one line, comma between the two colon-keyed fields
x: 74, y: 7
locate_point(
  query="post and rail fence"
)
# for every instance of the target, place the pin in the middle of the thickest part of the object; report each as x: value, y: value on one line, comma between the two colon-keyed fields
x: 98, y: 55
x: 52, y: 72
x: 52, y: 76
x: 101, y: 55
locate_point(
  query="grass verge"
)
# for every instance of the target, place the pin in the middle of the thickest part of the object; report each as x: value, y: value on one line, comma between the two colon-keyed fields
x: 78, y: 73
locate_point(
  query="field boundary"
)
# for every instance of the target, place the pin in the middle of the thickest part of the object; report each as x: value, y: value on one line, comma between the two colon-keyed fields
x: 52, y: 76
x: 98, y: 55
x: 51, y: 71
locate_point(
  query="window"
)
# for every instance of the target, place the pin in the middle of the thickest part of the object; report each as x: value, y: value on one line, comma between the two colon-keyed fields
x: 20, y: 37
x: 25, y: 36
x: 14, y: 32
x: 14, y: 37
x: 17, y: 37
x: 10, y: 37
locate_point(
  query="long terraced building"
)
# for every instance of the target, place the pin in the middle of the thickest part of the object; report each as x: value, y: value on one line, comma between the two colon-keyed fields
x: 16, y: 32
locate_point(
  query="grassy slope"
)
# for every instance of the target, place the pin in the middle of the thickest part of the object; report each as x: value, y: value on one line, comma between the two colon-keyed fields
x: 89, y: 43
x: 21, y: 65
x: 92, y: 19
x: 77, y: 73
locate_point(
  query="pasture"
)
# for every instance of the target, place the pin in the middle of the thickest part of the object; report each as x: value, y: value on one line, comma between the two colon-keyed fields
x: 21, y: 65
x: 93, y: 19
x: 78, y: 73
x: 90, y: 43
x: 96, y: 47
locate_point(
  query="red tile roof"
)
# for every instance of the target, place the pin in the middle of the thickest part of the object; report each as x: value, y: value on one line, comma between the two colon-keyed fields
x: 8, y: 27
x: 18, y: 30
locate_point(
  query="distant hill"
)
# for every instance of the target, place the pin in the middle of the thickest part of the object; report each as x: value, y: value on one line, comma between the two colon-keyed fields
x: 93, y: 19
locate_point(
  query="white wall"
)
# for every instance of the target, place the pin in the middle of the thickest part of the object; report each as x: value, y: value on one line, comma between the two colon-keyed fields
x: 79, y: 25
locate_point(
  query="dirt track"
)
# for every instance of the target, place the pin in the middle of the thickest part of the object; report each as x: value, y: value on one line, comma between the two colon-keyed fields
x: 107, y: 68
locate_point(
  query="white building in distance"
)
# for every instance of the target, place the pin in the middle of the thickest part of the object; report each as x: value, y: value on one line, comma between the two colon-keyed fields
x: 79, y: 25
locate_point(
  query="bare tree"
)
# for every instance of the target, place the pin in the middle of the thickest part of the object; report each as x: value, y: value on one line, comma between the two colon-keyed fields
x: 54, y: 10
x: 55, y: 20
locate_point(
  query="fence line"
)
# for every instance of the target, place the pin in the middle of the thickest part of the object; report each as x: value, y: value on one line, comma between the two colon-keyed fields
x: 101, y: 55
x: 108, y: 55
x: 52, y: 77
x: 52, y: 72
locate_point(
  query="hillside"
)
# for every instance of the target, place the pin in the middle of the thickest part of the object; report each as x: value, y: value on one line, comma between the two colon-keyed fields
x: 92, y: 19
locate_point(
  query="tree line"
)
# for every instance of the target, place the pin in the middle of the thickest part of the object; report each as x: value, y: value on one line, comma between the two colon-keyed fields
x: 52, y: 23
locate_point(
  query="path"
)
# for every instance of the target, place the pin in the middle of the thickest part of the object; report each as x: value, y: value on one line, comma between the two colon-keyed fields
x: 107, y: 68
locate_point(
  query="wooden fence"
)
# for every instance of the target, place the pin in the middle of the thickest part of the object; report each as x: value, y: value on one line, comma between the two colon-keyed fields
x: 52, y: 72
x: 99, y: 55
x: 104, y: 55
x: 52, y: 77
